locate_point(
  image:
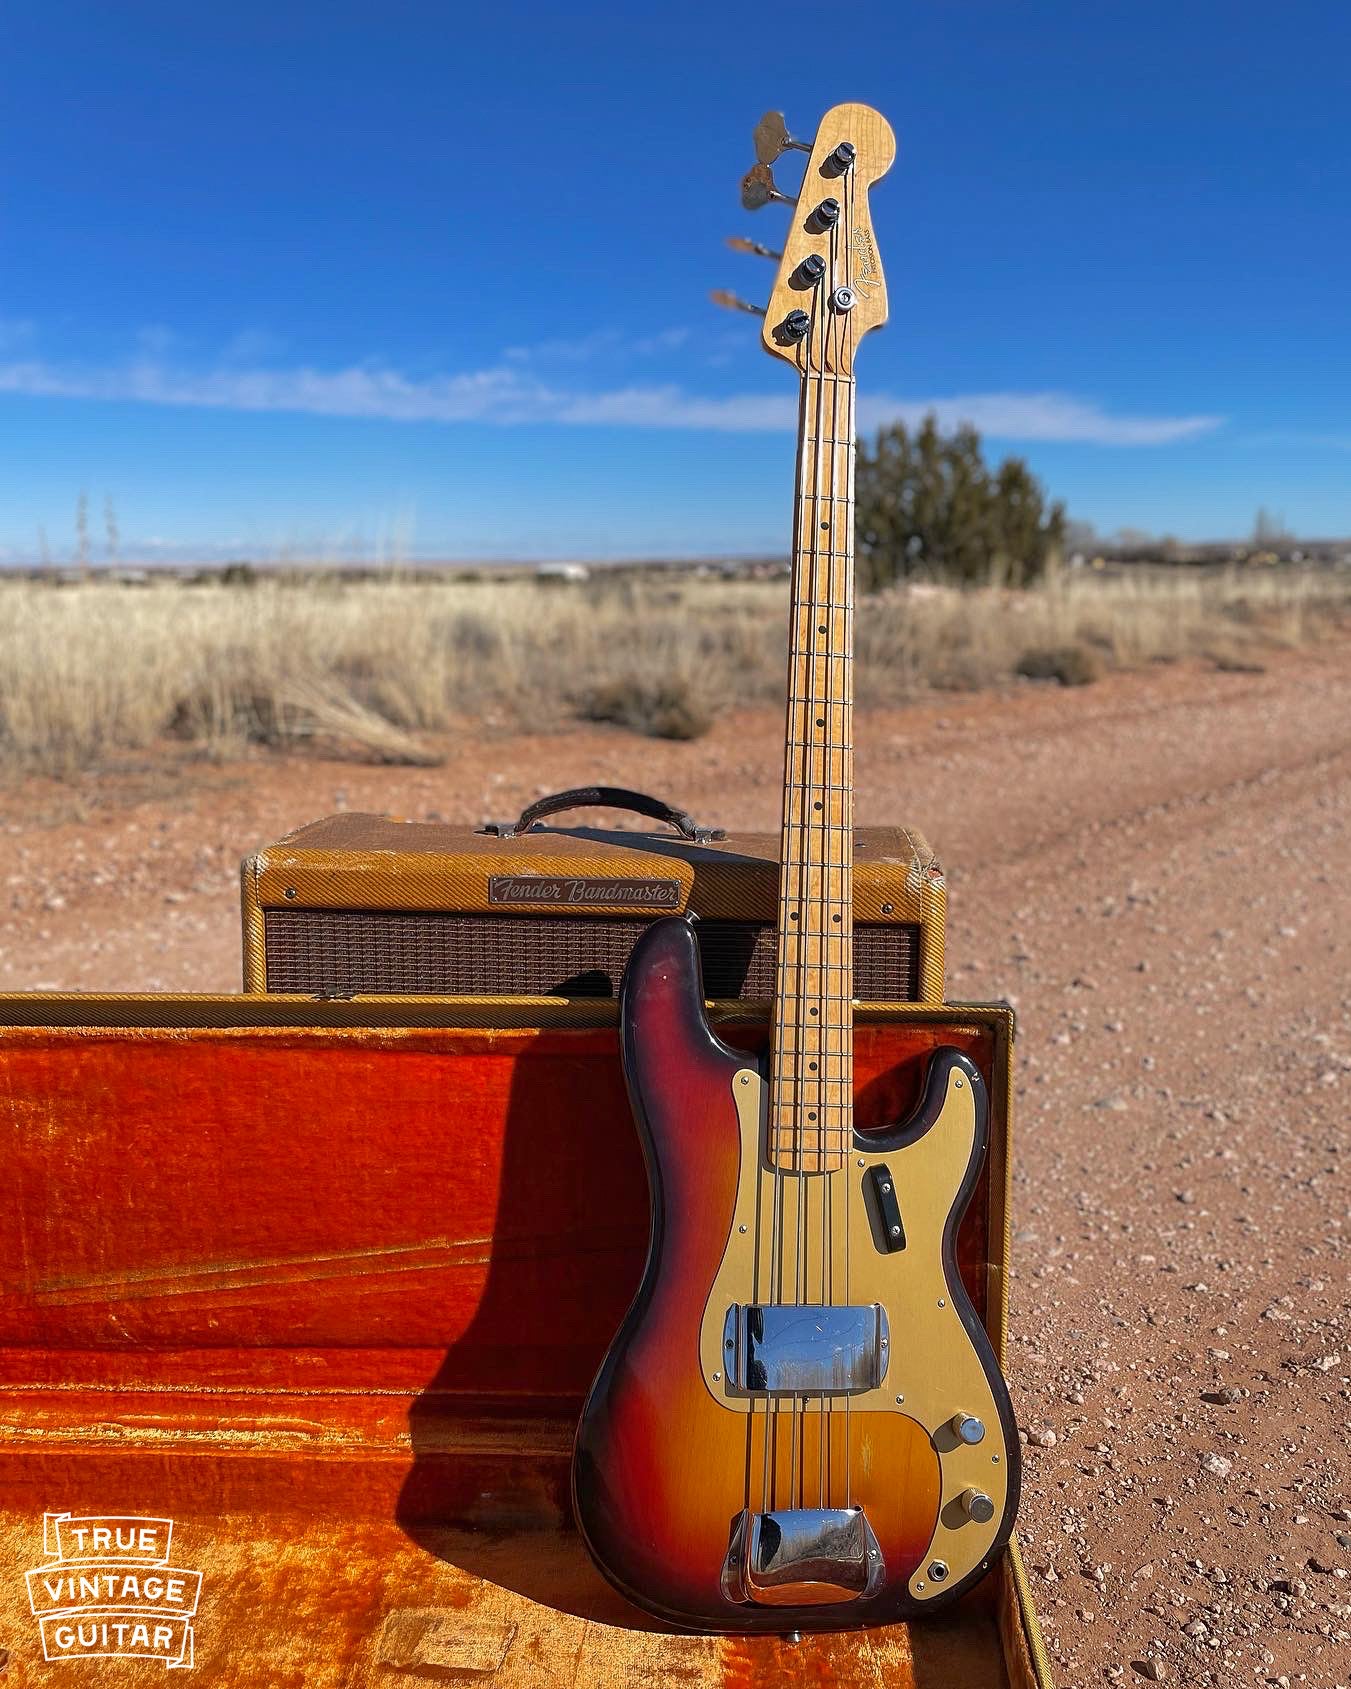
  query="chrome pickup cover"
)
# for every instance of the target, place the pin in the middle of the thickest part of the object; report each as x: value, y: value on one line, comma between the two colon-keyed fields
x: 804, y: 1349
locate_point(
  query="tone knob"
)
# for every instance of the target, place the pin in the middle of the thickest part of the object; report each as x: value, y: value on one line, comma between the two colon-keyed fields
x: 977, y: 1506
x: 967, y: 1428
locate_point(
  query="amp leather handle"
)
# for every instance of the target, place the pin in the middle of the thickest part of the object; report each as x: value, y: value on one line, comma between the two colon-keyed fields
x: 606, y: 797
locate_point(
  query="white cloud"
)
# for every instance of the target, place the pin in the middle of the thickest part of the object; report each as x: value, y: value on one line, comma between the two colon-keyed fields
x: 1039, y: 416
x: 512, y: 393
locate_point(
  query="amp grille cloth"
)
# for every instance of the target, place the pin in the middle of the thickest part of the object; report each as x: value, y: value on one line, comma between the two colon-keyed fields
x: 379, y: 952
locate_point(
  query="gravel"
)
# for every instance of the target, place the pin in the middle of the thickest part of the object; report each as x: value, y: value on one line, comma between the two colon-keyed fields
x: 1197, y: 821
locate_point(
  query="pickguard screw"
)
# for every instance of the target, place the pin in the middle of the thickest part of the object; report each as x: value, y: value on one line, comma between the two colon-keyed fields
x: 745, y: 1078
x: 741, y: 1228
x: 717, y: 1376
x: 885, y: 1341
x: 900, y: 1399
x: 941, y: 1303
x: 920, y: 1584
x: 862, y: 1162
x: 958, y: 1082
x: 995, y: 1459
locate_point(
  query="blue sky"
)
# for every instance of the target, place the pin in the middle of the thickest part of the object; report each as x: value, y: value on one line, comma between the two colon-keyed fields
x: 432, y: 278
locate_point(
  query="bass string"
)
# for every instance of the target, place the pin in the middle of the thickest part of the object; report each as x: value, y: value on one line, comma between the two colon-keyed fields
x: 846, y: 721
x: 830, y: 827
x: 805, y: 688
x: 778, y: 1222
x: 813, y: 689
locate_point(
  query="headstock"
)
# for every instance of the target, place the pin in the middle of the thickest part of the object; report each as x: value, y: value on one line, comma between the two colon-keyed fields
x: 829, y: 290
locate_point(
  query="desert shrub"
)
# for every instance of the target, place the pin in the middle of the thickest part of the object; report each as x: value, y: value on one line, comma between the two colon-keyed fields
x: 660, y: 708
x: 1071, y: 665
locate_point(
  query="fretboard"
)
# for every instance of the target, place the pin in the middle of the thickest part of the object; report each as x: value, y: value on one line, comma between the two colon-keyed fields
x: 812, y: 1079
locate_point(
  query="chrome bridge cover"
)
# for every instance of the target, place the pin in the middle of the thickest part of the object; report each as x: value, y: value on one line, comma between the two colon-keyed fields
x: 804, y: 1349
x: 802, y: 1557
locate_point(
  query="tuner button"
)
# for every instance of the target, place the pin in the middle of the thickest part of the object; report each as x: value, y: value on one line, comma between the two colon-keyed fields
x: 772, y: 138
x: 758, y: 189
x: 844, y: 155
x: 977, y: 1506
x: 796, y: 324
x: 967, y: 1428
x: 730, y: 302
x: 812, y: 267
x: 828, y: 213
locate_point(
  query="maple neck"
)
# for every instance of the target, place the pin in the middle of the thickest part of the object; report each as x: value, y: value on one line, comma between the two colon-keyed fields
x: 811, y: 1093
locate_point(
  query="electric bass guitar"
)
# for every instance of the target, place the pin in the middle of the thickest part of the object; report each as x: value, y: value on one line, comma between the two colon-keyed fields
x: 801, y: 1423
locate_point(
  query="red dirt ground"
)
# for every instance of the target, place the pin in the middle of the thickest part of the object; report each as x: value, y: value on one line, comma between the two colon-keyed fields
x: 1157, y: 871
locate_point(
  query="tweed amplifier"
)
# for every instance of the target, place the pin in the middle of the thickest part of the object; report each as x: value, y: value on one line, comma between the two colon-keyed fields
x: 364, y: 904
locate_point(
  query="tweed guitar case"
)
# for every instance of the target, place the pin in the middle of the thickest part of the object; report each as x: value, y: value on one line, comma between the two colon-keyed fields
x: 370, y: 905
x: 298, y: 1304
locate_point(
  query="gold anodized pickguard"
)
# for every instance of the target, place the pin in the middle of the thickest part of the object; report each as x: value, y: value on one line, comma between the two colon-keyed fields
x: 817, y: 1226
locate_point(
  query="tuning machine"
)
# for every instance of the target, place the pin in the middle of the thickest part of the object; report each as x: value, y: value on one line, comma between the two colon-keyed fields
x: 733, y: 302
x: 758, y: 189
x: 757, y: 249
x: 772, y: 138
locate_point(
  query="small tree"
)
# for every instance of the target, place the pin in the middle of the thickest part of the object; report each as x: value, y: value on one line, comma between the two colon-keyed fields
x: 927, y: 504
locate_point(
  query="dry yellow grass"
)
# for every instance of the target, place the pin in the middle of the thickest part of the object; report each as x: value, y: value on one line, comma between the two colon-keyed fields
x: 92, y: 670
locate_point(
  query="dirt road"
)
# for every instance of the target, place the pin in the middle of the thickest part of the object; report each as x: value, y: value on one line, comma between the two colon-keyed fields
x: 1157, y: 870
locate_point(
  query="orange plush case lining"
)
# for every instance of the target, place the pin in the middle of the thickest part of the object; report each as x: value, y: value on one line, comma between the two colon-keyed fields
x: 329, y: 1296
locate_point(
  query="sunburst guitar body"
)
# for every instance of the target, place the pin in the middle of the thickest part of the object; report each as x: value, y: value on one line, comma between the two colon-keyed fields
x: 801, y: 1424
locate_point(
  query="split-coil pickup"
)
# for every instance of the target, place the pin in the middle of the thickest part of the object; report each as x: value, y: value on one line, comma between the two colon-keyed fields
x: 804, y: 1349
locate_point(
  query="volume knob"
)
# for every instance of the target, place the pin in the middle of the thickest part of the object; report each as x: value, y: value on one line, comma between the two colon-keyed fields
x: 977, y: 1506
x: 967, y: 1428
